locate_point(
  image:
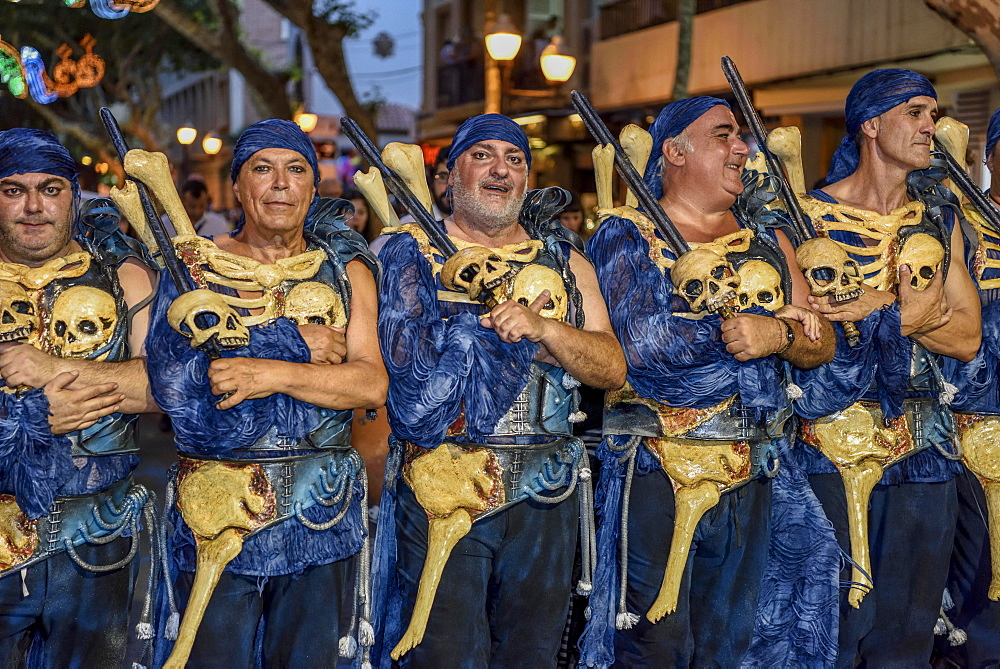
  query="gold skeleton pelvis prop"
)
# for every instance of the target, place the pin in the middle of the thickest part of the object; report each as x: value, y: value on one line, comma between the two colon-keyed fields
x: 862, y: 446
x: 18, y: 534
x: 456, y: 484
x: 980, y: 440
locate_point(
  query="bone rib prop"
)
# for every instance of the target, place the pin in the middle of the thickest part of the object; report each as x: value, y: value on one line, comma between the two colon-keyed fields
x: 637, y: 187
x: 180, y: 277
x: 800, y: 222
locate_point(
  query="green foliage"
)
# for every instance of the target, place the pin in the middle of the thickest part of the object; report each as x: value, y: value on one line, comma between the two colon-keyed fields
x: 343, y: 14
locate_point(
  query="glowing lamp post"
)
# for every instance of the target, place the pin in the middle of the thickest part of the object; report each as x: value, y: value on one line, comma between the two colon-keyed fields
x: 557, y: 65
x: 211, y: 145
x: 185, y: 137
x: 502, y: 44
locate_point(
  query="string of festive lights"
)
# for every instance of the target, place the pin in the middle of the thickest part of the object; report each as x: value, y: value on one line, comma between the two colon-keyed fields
x: 24, y: 72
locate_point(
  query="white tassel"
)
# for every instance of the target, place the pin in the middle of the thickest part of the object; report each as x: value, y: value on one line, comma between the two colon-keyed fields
x: 367, y: 664
x: 940, y: 628
x: 947, y: 603
x: 957, y: 637
x: 144, y: 631
x: 948, y: 392
x: 569, y: 382
x: 136, y: 665
x: 585, y: 474
x: 348, y: 647
x: 24, y: 583
x: 793, y: 392
x: 366, y: 633
x: 587, y: 613
x: 173, y: 626
x: 577, y: 417
x: 626, y: 620
x: 584, y: 589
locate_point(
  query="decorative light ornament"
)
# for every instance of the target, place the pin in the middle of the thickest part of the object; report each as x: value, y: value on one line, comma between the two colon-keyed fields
x: 502, y: 39
x: 306, y: 121
x: 186, y: 135
x: 557, y: 65
x: 211, y: 144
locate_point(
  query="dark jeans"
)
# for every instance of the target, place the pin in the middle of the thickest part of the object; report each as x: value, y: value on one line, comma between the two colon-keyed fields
x: 504, y: 593
x: 70, y: 617
x: 969, y: 581
x: 714, y: 620
x: 291, y: 620
x: 911, y: 528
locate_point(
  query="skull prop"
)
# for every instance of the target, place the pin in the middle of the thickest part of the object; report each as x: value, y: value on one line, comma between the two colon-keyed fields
x: 202, y: 314
x: 473, y: 270
x: 314, y: 302
x: 829, y: 270
x: 705, y: 279
x: 529, y: 284
x: 760, y: 286
x: 83, y: 320
x: 18, y: 318
x: 923, y: 254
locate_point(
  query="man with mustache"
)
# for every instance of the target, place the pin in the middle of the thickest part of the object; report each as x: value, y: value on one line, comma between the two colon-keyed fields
x: 481, y: 402
x: 275, y: 413
x: 74, y: 293
x: 878, y: 208
x: 700, y: 423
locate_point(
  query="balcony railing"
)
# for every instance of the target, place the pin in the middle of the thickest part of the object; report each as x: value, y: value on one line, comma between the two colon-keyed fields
x: 624, y: 16
x: 460, y: 82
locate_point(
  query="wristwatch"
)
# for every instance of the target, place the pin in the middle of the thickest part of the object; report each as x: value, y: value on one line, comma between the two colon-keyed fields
x: 789, y: 337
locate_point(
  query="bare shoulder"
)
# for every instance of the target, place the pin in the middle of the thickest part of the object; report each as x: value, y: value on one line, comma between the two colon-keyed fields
x: 137, y: 280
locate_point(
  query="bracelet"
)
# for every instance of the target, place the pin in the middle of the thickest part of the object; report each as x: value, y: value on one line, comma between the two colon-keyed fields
x: 789, y: 337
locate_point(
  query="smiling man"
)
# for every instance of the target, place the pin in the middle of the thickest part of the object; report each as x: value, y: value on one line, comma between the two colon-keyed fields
x: 292, y: 292
x: 74, y: 293
x: 692, y: 442
x: 929, y: 308
x: 481, y: 402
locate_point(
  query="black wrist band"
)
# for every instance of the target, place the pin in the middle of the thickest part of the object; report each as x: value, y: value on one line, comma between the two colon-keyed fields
x: 789, y: 337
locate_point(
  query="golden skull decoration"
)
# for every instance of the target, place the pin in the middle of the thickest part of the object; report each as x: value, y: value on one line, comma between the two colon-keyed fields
x: 529, y: 284
x: 705, y: 279
x: 314, y: 302
x: 923, y: 254
x: 474, y: 269
x: 829, y: 270
x: 18, y: 318
x: 202, y: 314
x: 760, y: 286
x: 83, y: 320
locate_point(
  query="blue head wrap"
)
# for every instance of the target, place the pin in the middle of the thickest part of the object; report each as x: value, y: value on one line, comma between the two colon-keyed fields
x: 672, y: 121
x: 874, y: 94
x: 488, y: 126
x: 25, y: 150
x: 993, y: 134
x: 274, y: 133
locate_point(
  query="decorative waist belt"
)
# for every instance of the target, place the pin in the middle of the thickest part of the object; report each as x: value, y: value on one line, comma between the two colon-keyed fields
x: 628, y: 414
x: 97, y: 518
x: 335, y: 438
x: 112, y: 435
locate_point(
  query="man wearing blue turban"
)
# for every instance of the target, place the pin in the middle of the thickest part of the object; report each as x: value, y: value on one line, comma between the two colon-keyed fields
x: 264, y: 433
x: 929, y: 309
x: 485, y: 349
x: 692, y: 499
x: 74, y: 293
x: 977, y: 407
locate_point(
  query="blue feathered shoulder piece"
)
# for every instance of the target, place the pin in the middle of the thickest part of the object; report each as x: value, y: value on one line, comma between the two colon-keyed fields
x: 34, y: 463
x: 978, y: 381
x: 681, y: 362
x: 329, y: 230
x: 439, y: 367
x: 98, y: 225
x: 178, y: 376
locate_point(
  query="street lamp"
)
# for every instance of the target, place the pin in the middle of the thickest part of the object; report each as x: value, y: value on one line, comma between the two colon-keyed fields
x: 211, y: 145
x: 185, y: 137
x: 502, y: 44
x: 557, y: 65
x: 306, y: 121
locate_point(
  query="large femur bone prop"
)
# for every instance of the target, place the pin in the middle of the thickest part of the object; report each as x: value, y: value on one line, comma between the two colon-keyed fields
x: 407, y: 160
x: 603, y: 156
x: 829, y: 270
x: 372, y: 186
x: 786, y: 143
x: 128, y: 203
x: 981, y: 452
x: 638, y: 145
x: 153, y: 170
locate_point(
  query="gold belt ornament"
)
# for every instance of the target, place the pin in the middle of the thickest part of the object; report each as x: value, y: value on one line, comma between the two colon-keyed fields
x: 980, y: 439
x: 862, y: 446
x: 700, y: 471
x: 221, y: 502
x: 452, y: 484
x: 18, y: 534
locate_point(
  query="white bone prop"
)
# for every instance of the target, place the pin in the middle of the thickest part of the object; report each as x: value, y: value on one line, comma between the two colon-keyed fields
x: 407, y: 160
x: 757, y: 163
x: 153, y: 170
x: 373, y: 188
x: 128, y: 203
x: 786, y: 143
x: 956, y: 134
x: 604, y: 171
x: 638, y: 145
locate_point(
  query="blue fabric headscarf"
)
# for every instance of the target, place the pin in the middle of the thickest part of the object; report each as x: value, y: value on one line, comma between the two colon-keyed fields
x: 993, y: 134
x: 26, y: 150
x: 672, y: 121
x: 874, y: 94
x: 488, y: 126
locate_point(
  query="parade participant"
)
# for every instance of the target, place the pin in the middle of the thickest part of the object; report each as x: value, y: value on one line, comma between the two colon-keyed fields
x: 207, y: 223
x: 692, y: 442
x: 266, y: 473
x: 491, y: 484
x: 971, y: 582
x: 74, y: 295
x: 902, y: 428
